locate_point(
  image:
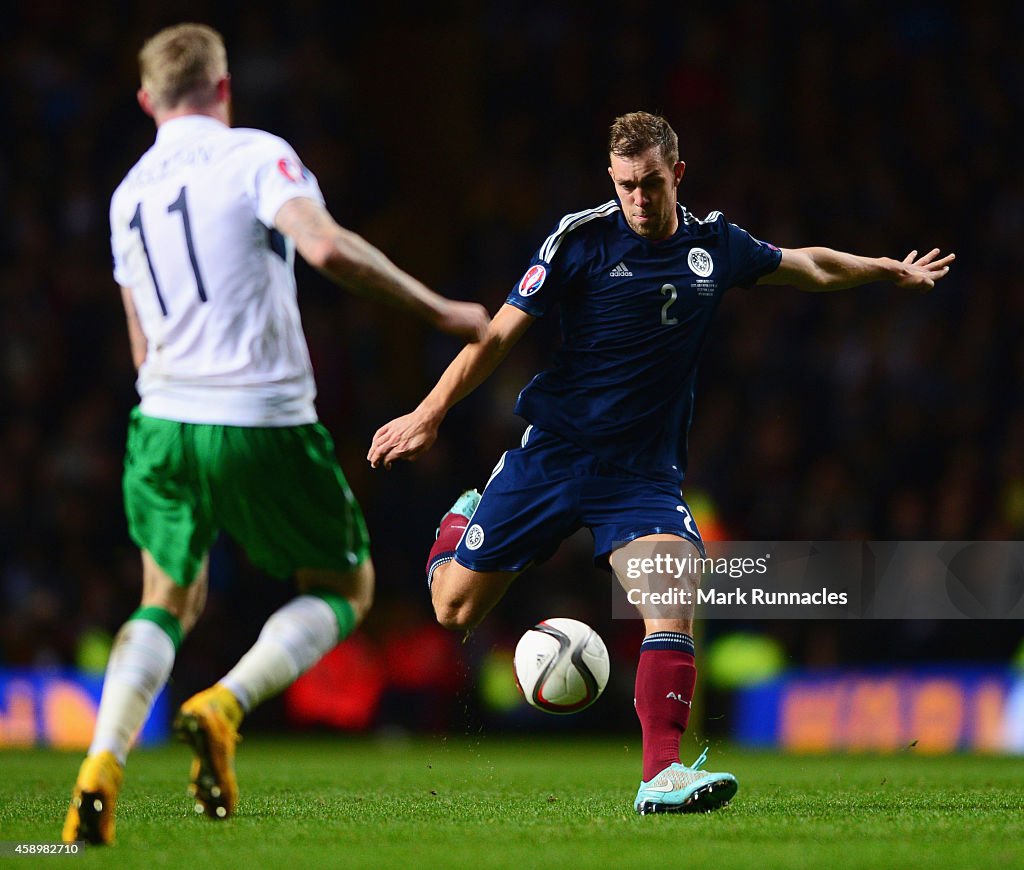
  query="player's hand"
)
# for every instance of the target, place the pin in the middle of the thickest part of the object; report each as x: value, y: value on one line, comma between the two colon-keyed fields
x: 467, y: 320
x: 403, y: 438
x: 921, y: 273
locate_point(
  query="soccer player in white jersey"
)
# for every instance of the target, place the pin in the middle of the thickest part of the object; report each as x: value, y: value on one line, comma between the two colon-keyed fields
x: 204, y: 229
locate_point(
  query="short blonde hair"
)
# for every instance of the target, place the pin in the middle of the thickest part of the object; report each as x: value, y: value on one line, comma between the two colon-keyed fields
x: 182, y: 64
x: 634, y: 133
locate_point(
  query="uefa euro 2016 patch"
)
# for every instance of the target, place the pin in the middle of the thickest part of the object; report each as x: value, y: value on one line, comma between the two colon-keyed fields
x: 292, y: 169
x: 532, y: 280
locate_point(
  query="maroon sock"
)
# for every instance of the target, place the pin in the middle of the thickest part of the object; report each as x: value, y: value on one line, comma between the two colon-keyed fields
x: 452, y: 527
x: 665, y: 677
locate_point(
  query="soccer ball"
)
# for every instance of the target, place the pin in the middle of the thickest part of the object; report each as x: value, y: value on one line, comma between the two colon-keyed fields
x: 561, y: 665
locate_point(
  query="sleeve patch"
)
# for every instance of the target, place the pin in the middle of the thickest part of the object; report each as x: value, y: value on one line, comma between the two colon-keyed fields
x: 533, y: 280
x: 291, y: 169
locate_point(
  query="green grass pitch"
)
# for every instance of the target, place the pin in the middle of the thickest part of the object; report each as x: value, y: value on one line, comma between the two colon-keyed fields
x: 490, y: 802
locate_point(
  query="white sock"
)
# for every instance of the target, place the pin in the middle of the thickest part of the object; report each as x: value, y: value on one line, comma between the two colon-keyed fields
x: 294, y: 639
x: 140, y: 663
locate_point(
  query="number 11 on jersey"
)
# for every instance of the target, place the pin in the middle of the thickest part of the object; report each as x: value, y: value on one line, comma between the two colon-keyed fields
x: 179, y: 205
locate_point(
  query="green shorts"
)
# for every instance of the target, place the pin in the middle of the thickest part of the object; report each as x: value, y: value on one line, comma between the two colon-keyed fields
x: 279, y: 492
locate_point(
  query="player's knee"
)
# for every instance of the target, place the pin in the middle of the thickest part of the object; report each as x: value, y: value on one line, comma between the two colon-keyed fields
x: 454, y: 619
x: 355, y: 586
x: 188, y: 620
x: 186, y: 604
x: 456, y: 615
x: 363, y: 590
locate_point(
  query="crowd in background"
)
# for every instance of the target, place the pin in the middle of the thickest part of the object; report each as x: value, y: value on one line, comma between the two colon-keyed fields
x: 454, y: 137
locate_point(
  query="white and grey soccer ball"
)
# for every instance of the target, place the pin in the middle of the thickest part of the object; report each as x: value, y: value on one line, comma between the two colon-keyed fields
x: 561, y: 665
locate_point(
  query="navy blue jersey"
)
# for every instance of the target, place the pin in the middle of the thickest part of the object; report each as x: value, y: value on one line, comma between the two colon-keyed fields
x: 635, y: 314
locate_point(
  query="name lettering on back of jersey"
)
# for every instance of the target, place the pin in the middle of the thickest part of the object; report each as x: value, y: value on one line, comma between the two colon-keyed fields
x: 532, y: 280
x: 620, y: 271
x: 702, y: 266
x: 153, y: 173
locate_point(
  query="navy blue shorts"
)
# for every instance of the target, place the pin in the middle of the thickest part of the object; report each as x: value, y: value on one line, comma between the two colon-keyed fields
x: 542, y: 492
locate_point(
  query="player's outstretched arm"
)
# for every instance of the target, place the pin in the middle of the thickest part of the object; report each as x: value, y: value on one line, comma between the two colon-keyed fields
x: 823, y: 269
x: 408, y: 436
x: 350, y: 260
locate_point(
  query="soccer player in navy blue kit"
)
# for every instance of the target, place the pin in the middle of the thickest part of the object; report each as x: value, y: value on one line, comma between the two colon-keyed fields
x: 638, y: 280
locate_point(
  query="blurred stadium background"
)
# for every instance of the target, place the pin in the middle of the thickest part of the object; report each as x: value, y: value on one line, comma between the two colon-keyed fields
x: 453, y: 136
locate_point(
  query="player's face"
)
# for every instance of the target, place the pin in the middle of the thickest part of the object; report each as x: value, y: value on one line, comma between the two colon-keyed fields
x: 646, y: 187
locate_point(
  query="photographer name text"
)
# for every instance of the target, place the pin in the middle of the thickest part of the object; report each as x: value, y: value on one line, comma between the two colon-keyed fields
x: 736, y: 597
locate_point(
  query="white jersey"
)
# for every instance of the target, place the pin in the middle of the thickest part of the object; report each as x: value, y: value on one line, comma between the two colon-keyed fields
x: 191, y: 228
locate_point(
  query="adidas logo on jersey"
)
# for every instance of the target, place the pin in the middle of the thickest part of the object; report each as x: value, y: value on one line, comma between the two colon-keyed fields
x: 620, y: 271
